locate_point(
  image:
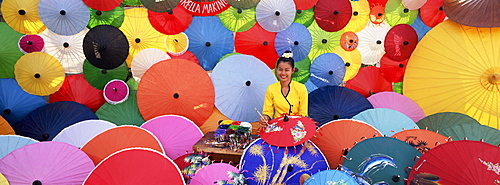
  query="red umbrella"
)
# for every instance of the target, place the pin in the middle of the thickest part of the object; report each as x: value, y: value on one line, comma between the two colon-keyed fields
x: 171, y: 22
x: 377, y: 3
x: 432, y: 13
x: 304, y: 4
x: 377, y: 14
x: 400, y: 42
x: 257, y: 42
x: 76, y: 88
x: 288, y: 131
x: 349, y: 41
x: 421, y: 139
x: 331, y: 15
x: 369, y: 81
x: 393, y: 71
x: 103, y: 5
x: 188, y: 55
x: 204, y: 7
x: 31, y: 43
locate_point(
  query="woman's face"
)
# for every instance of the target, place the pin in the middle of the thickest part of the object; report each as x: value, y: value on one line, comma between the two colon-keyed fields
x: 285, y: 71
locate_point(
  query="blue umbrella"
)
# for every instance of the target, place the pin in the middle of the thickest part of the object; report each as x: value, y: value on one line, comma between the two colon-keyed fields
x: 9, y: 143
x: 327, y: 69
x: 330, y: 103
x: 310, y: 86
x: 209, y: 40
x: 67, y: 17
x: 15, y: 103
x: 239, y: 90
x: 262, y: 163
x: 380, y: 160
x: 330, y: 177
x: 46, y: 122
x: 387, y: 121
x: 420, y: 27
x: 295, y: 38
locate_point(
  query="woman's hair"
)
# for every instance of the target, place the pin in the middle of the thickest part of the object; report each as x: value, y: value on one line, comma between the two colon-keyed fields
x: 287, y: 57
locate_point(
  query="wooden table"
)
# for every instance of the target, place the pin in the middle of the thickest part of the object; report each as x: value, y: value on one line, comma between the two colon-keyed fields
x: 218, y: 153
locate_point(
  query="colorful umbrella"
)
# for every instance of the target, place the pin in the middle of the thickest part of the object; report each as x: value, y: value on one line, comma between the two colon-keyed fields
x: 413, y: 4
x: 349, y: 41
x: 371, y: 42
x: 46, y: 163
x: 116, y: 91
x: 176, y: 134
x: 9, y: 143
x: 342, y: 13
x: 239, y: 91
x: 303, y: 73
x: 113, y: 17
x: 327, y: 69
x: 262, y: 163
x: 275, y: 15
x: 295, y: 38
x: 171, y: 22
x: 352, y: 62
x: 377, y: 14
x: 115, y: 139
x: 31, y: 43
x: 15, y: 103
x: 64, y: 17
x: 305, y: 4
x: 475, y: 132
x: 476, y: 14
x: 213, y: 173
x: 238, y: 19
x: 105, y: 47
x: 380, y: 160
x: 432, y: 13
x: 396, y: 13
x: 160, y: 6
x: 360, y: 15
x: 422, y: 140
x: 102, y: 5
x: 259, y: 43
x: 322, y: 41
x: 392, y: 70
x: 398, y: 102
x: 67, y: 49
x: 22, y: 16
x: 420, y: 27
x: 440, y: 121
x: 387, y: 121
x: 8, y: 49
x: 369, y: 81
x: 177, y: 44
x: 47, y: 121
x: 145, y: 59
x: 136, y: 166
x: 212, y: 122
x: 139, y: 33
x: 209, y: 40
x: 126, y: 113
x: 186, y: 90
x: 75, y: 88
x: 304, y: 17
x: 330, y: 177
x: 288, y: 131
x: 39, y: 73
x: 98, y: 78
x: 459, y: 162
x: 329, y: 103
x: 80, y: 133
x: 400, y: 42
x: 337, y: 137
x: 5, y: 128
x: 460, y: 74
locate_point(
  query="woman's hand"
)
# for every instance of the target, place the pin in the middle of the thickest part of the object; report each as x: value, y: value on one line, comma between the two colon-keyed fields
x: 263, y: 121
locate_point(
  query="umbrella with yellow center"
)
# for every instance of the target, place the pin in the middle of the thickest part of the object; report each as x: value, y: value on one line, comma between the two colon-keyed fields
x: 177, y: 44
x: 39, y: 73
x: 455, y: 68
x: 22, y: 16
x: 359, y: 18
x: 352, y: 60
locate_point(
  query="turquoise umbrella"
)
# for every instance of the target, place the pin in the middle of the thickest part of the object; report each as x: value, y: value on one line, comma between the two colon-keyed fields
x: 387, y: 121
x: 474, y: 132
x: 9, y: 143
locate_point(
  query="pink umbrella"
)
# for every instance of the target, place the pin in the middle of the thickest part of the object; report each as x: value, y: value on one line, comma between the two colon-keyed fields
x: 398, y: 102
x: 116, y: 91
x: 176, y: 134
x: 213, y: 173
x: 31, y: 43
x: 48, y: 162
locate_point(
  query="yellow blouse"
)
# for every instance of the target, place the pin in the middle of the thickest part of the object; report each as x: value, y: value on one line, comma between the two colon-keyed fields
x: 275, y: 103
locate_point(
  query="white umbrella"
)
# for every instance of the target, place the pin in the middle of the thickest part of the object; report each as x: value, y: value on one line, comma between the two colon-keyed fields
x: 67, y: 49
x: 371, y: 42
x: 144, y: 59
x: 275, y: 15
x: 80, y: 133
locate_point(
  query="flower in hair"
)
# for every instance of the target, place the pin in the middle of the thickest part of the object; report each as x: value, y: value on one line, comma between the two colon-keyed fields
x: 287, y: 55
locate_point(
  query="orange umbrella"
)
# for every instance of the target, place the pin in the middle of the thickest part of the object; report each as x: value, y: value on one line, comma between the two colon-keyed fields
x: 176, y: 86
x: 336, y: 138
x: 5, y: 128
x: 118, y: 138
x: 421, y: 139
x: 212, y: 122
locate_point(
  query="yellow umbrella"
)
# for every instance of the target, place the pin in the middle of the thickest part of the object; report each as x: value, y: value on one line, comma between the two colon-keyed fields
x: 177, y: 44
x: 22, y: 16
x: 352, y: 60
x: 140, y: 34
x: 456, y: 68
x: 39, y: 73
x: 3, y: 180
x: 360, y: 16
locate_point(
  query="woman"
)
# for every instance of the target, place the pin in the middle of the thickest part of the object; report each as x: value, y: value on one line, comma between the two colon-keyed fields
x: 285, y: 96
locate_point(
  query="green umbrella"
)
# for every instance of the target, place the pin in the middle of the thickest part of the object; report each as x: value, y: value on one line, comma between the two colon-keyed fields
x: 229, y: 54
x: 126, y: 113
x: 302, y: 75
x: 475, y: 132
x: 245, y: 4
x: 304, y: 17
x: 112, y: 17
x: 132, y: 84
x: 132, y: 2
x: 98, y: 78
x: 237, y: 19
x: 398, y: 87
x: 440, y: 121
x: 322, y: 41
x: 9, y: 50
x: 396, y: 13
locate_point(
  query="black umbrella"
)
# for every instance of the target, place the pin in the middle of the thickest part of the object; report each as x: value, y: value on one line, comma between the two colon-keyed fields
x: 105, y: 47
